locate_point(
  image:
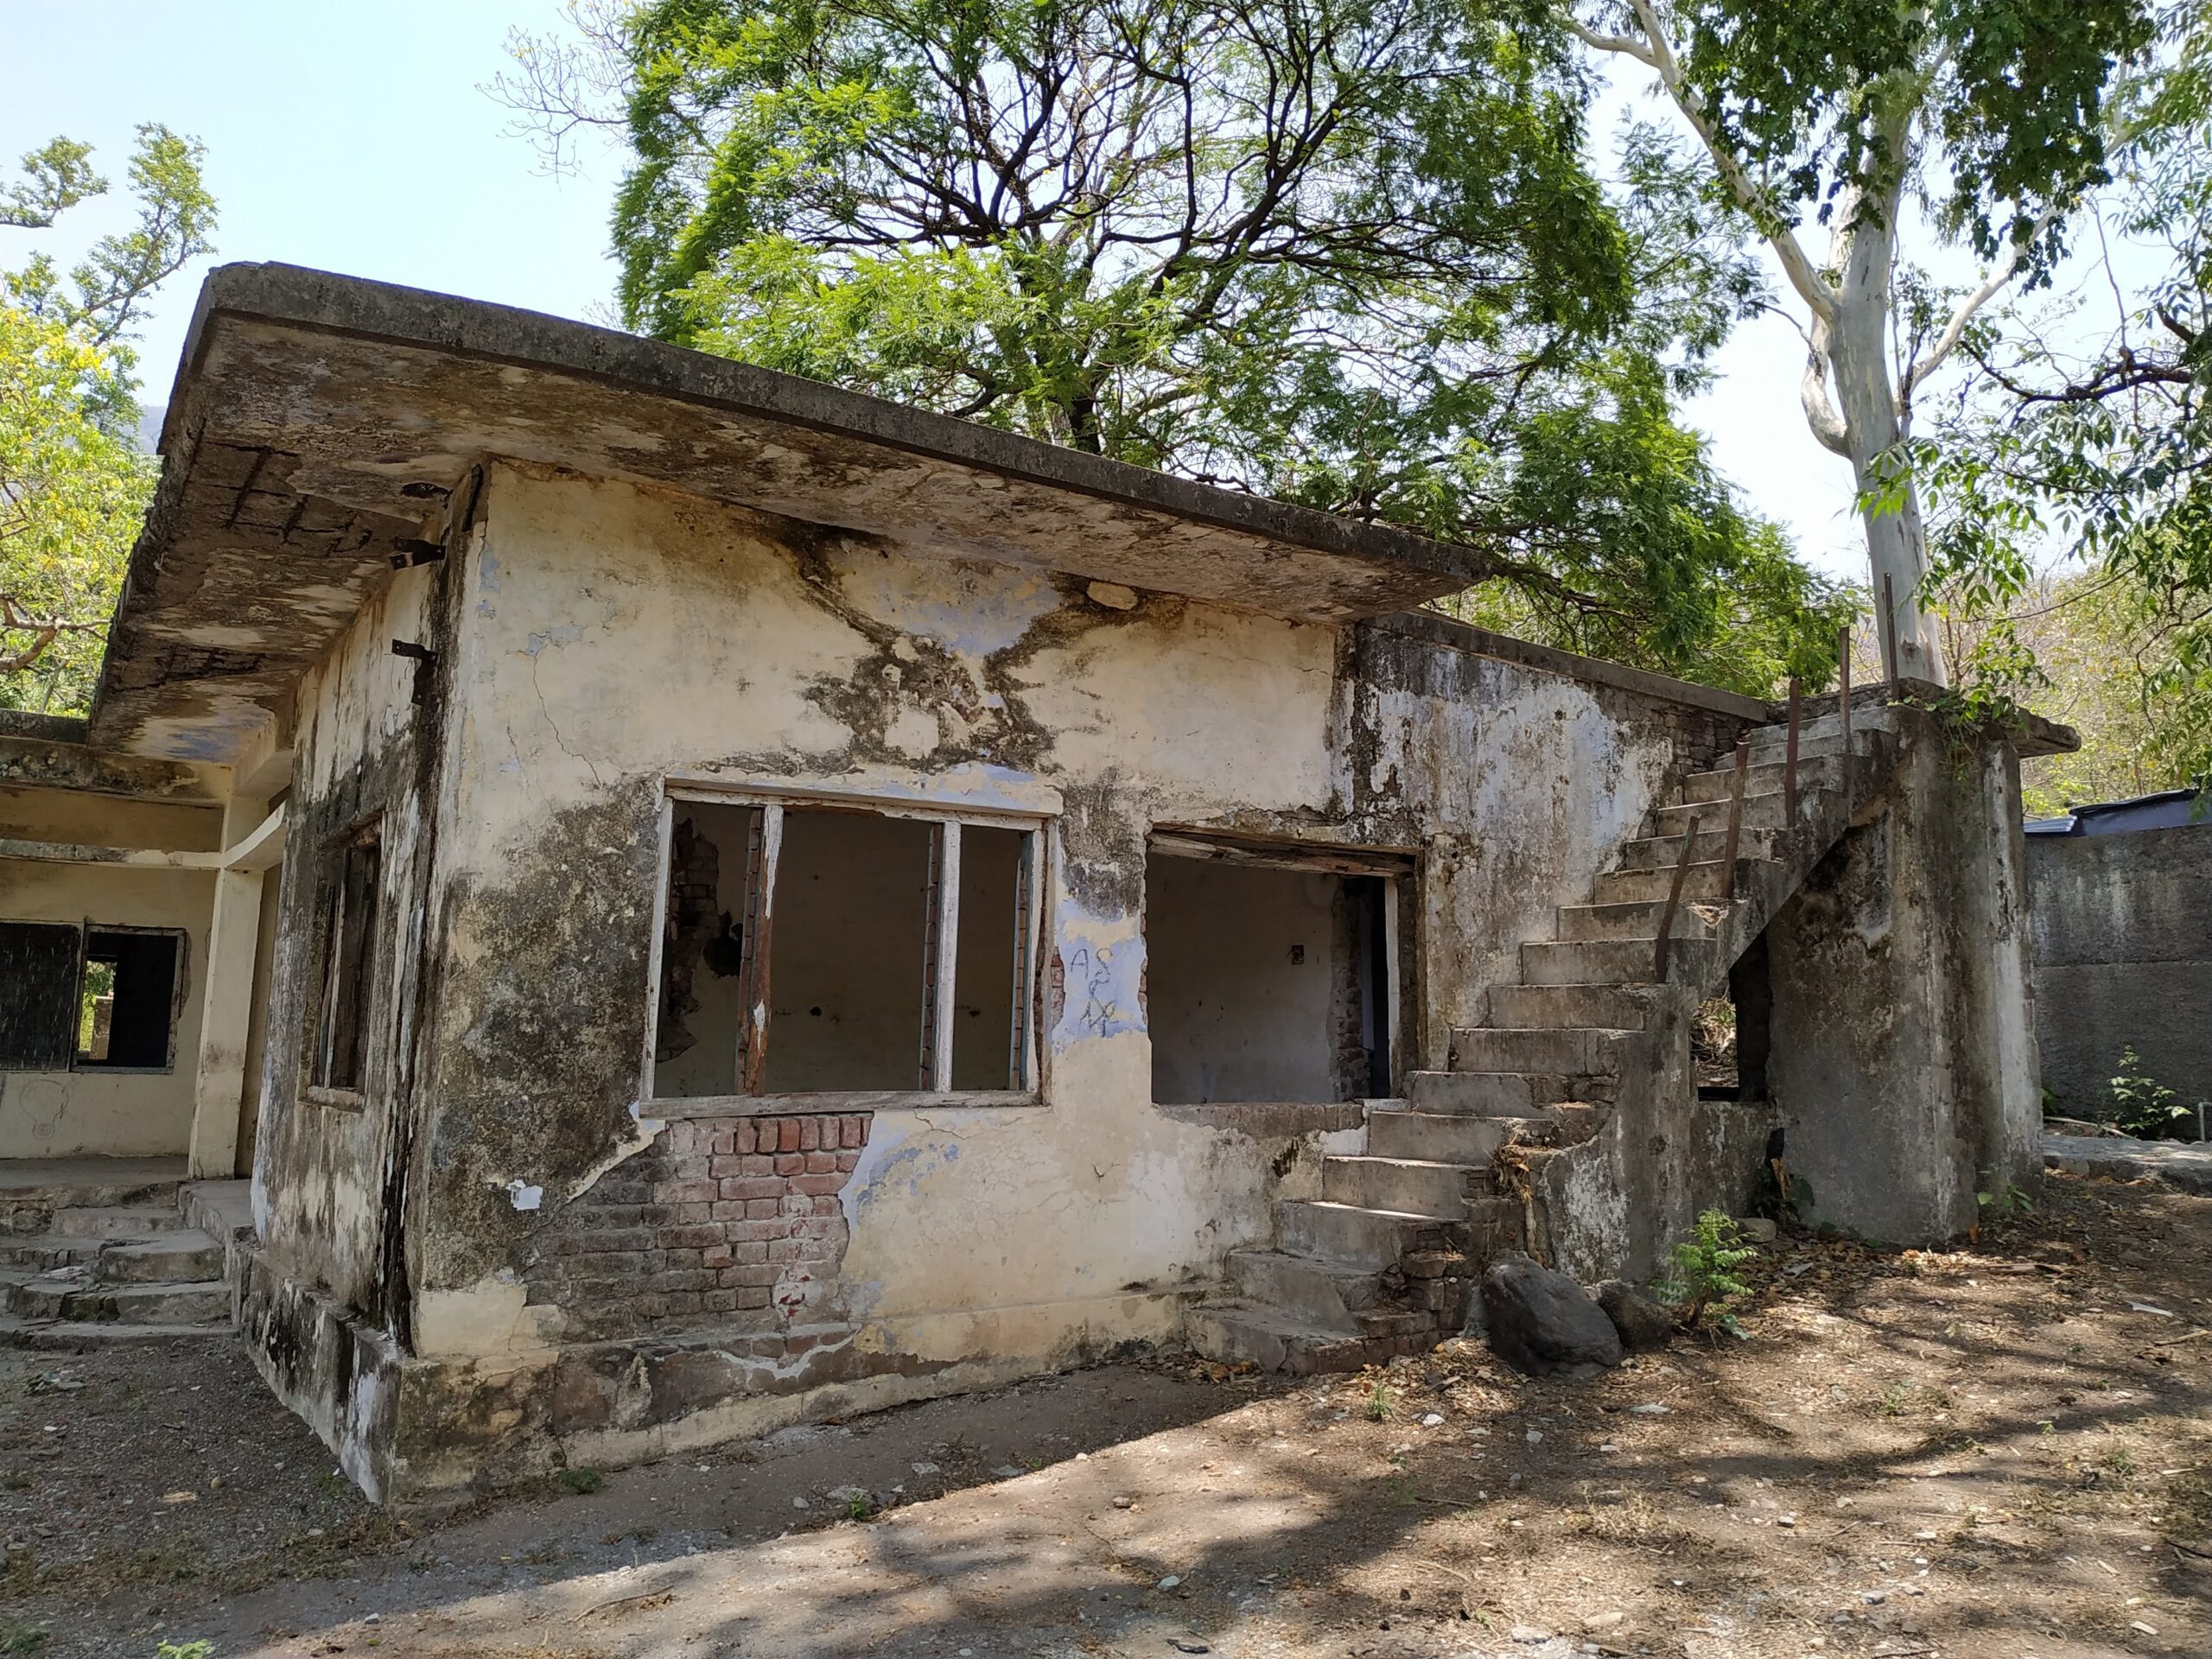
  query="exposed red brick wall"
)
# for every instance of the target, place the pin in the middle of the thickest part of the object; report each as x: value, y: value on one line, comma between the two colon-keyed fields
x: 722, y: 1222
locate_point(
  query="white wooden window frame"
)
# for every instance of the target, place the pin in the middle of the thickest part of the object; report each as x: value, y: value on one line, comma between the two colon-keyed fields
x: 947, y: 817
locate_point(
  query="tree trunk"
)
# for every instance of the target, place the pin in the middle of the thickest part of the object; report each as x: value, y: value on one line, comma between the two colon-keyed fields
x: 1866, y: 397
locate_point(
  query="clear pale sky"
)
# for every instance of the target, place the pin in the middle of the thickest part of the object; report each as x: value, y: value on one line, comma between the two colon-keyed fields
x: 351, y: 136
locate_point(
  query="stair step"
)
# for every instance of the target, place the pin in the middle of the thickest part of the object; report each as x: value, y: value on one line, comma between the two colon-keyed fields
x: 1354, y: 1236
x: 73, y: 1295
x: 1821, y: 771
x: 1237, y: 1333
x: 75, y: 1335
x: 1502, y: 1094
x: 185, y: 1256
x: 1622, y: 1007
x: 1762, y: 811
x: 1638, y: 919
x: 38, y: 1252
x: 1702, y: 883
x: 1405, y: 1186
x: 1604, y: 961
x: 1663, y: 852
x: 1438, y: 1137
x: 1824, y: 728
x: 1567, y: 1052
x: 116, y: 1220
x: 1325, y: 1295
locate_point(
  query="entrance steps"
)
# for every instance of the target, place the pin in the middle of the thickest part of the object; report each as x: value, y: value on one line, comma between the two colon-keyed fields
x: 100, y: 1255
x: 1384, y: 1261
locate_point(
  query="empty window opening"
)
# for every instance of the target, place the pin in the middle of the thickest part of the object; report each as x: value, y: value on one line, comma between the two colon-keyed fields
x: 991, y: 975
x: 850, y: 949
x: 89, y: 998
x: 349, y: 964
x: 713, y: 860
x: 1265, y: 983
x: 808, y: 949
x: 126, y: 1014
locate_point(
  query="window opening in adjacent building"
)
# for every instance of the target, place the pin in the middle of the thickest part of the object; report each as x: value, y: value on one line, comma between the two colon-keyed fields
x: 89, y: 998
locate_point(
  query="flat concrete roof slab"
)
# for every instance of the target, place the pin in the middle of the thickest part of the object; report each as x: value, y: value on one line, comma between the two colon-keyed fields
x: 318, y: 421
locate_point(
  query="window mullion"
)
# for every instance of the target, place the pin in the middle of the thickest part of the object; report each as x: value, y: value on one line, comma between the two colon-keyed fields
x: 943, y: 959
x: 752, y: 1053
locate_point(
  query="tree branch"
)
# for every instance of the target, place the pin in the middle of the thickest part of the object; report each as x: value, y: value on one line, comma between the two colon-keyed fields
x: 1947, y: 341
x: 1660, y: 56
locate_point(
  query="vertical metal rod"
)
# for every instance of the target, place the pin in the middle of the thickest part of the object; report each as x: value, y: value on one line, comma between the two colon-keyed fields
x: 1735, y: 820
x: 1790, y: 763
x: 1673, y: 899
x: 1889, y: 630
x: 1843, y: 698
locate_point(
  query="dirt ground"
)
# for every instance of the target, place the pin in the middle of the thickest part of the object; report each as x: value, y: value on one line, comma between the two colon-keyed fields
x: 2002, y: 1452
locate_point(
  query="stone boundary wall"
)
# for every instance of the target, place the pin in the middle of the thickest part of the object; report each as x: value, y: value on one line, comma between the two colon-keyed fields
x: 2121, y: 929
x: 734, y: 1220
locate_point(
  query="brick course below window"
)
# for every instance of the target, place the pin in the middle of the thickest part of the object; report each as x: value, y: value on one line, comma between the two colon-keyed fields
x: 721, y: 1223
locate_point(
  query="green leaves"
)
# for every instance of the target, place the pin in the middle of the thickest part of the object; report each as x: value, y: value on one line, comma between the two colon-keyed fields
x: 72, y: 485
x: 1994, y: 109
x: 1349, y: 253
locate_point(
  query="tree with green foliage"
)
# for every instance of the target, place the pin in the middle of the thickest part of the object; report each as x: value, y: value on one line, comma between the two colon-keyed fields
x: 72, y: 484
x: 1986, y: 120
x: 2083, y: 430
x: 1345, y: 252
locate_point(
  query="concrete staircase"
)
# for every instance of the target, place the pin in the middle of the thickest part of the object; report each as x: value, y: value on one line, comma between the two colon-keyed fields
x: 1384, y: 1261
x: 96, y: 1257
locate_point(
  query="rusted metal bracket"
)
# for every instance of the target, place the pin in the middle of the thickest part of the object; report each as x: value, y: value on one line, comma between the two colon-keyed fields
x: 1673, y: 900
x: 1889, y: 630
x: 421, y: 656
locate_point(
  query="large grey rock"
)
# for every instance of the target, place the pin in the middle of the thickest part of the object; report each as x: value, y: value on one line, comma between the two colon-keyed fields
x: 1643, y: 1324
x: 1543, y: 1323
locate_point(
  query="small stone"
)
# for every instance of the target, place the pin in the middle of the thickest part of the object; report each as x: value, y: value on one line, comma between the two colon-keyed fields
x: 1434, y: 1420
x: 798, y: 1503
x: 1112, y: 595
x: 2137, y: 1624
x: 1535, y: 1437
x: 372, y: 1618
x: 1649, y: 1408
x: 1757, y: 1229
x: 1009, y: 1471
x: 1124, y: 1502
x: 1872, y: 1598
x: 1170, y: 1582
x: 922, y: 1468
x: 1785, y: 1519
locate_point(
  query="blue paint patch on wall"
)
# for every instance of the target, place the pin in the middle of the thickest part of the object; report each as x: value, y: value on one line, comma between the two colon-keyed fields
x: 912, y: 1165
x: 1099, y: 991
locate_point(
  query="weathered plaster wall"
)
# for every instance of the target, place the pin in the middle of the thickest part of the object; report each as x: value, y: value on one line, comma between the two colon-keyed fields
x: 2122, y: 928
x: 1903, y: 1052
x: 605, y: 638
x: 321, y: 1169
x: 90, y: 1113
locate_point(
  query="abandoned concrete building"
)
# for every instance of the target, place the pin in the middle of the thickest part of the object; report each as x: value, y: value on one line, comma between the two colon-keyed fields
x: 703, y: 900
